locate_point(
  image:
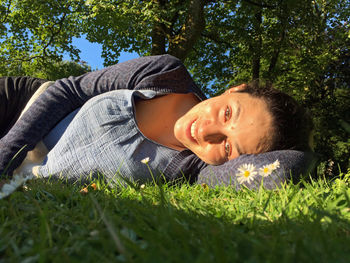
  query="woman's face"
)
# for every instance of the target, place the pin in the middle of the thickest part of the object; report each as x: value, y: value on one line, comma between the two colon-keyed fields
x: 222, y: 128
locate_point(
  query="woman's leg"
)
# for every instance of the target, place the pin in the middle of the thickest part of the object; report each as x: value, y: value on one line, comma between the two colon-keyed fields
x: 15, y: 92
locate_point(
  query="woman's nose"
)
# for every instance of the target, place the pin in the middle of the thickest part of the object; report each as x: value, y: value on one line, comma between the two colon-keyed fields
x: 211, y: 132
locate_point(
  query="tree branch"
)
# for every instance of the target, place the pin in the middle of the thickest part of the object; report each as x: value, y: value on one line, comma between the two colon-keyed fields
x: 54, y: 34
x: 262, y: 5
x: 181, y: 44
x: 277, y: 50
x: 51, y: 40
x: 158, y: 33
x: 256, y: 62
x: 173, y: 21
x: 215, y: 38
x: 7, y: 12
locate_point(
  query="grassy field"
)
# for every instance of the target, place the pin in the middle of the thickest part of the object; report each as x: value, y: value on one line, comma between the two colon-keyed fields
x: 50, y: 221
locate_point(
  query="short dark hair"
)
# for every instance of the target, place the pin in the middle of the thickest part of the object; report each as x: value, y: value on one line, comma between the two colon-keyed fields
x: 292, y: 123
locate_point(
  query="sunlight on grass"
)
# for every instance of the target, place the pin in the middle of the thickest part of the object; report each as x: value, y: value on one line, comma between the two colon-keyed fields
x: 53, y: 221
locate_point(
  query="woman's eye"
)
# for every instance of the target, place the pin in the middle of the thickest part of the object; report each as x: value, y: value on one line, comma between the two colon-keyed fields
x: 227, y: 113
x: 227, y: 149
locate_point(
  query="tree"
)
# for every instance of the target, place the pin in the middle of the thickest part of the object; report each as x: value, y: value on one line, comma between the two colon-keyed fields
x: 59, y: 70
x: 37, y: 31
x: 42, y: 31
x: 147, y: 27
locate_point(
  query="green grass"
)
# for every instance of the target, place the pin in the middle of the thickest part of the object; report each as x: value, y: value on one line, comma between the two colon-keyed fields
x: 52, y: 221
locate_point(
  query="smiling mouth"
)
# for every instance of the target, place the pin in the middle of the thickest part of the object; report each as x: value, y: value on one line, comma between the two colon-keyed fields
x: 193, y: 128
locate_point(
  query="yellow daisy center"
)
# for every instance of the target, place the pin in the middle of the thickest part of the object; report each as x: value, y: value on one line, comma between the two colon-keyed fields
x: 266, y: 170
x: 246, y: 173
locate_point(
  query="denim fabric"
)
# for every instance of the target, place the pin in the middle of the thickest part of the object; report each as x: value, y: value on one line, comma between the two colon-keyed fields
x: 51, y: 139
x: 103, y: 137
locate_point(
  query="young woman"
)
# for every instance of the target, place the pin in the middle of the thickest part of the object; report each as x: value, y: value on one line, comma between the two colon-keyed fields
x: 149, y: 107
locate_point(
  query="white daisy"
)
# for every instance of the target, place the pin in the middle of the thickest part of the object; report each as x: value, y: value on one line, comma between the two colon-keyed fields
x: 146, y: 160
x: 266, y: 170
x: 246, y: 173
x: 275, y: 165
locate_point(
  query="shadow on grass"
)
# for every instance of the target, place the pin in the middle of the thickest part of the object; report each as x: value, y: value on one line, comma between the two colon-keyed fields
x: 53, y: 222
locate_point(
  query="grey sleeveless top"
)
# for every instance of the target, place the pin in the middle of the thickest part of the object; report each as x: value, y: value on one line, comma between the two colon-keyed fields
x: 103, y: 137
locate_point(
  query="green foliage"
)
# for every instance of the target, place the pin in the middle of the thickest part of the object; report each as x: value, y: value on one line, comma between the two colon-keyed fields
x: 118, y: 26
x: 51, y: 220
x: 146, y: 27
x: 37, y: 31
x: 302, y: 47
x: 58, y: 70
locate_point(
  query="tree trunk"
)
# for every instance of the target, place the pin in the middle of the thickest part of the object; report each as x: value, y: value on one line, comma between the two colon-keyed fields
x: 275, y: 56
x: 158, y: 33
x: 181, y: 44
x: 158, y: 40
x: 257, y: 46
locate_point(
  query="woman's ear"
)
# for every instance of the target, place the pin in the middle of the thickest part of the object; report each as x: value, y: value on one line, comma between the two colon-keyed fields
x: 236, y: 88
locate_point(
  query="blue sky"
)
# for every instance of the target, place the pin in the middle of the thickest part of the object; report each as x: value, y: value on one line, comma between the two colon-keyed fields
x: 91, y: 53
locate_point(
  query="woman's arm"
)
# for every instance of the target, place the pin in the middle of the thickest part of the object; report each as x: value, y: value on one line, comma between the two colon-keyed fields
x: 162, y: 73
x: 15, y: 92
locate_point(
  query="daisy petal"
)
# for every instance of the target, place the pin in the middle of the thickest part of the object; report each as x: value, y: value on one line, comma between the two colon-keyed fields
x: 146, y: 160
x: 246, y: 173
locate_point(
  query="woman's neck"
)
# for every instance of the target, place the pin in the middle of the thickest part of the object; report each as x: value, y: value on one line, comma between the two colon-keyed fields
x: 156, y: 117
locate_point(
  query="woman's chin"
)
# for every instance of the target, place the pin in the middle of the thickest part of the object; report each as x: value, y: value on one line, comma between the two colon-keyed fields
x: 210, y: 161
